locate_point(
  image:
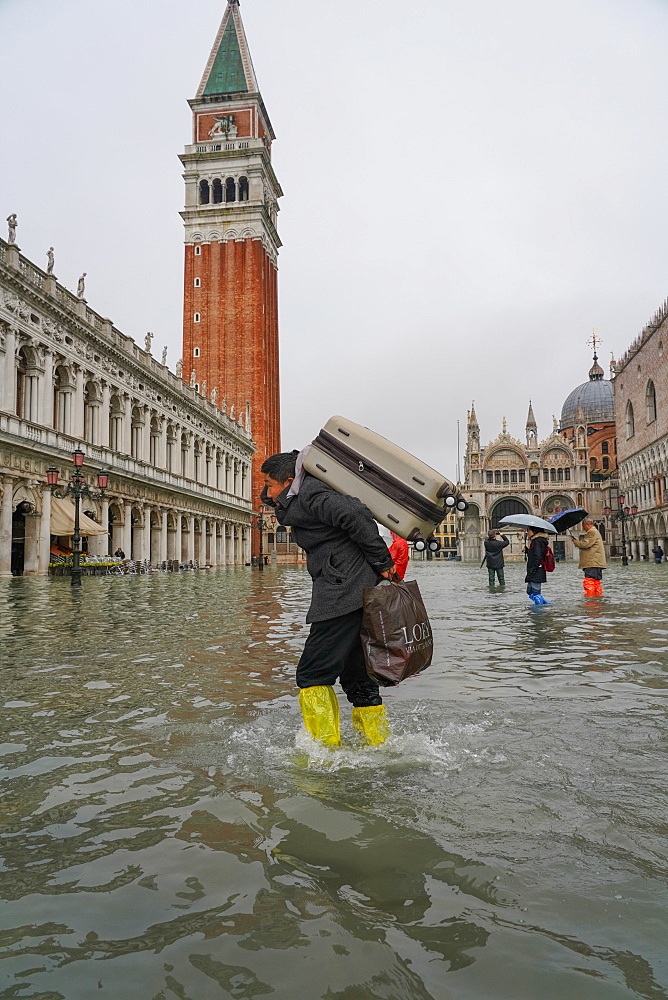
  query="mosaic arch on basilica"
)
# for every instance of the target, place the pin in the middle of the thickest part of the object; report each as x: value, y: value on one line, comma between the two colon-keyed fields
x: 641, y: 406
x: 509, y: 476
x: 179, y: 467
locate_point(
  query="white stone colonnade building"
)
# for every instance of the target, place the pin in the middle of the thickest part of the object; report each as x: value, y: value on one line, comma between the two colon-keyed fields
x: 179, y: 466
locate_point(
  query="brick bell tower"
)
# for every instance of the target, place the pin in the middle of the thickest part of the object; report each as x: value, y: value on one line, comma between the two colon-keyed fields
x: 230, y: 320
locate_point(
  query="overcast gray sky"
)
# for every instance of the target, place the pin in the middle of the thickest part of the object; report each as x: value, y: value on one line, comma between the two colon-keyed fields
x: 470, y: 188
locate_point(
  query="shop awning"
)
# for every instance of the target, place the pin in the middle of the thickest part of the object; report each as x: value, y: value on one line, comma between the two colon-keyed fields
x: 62, y: 520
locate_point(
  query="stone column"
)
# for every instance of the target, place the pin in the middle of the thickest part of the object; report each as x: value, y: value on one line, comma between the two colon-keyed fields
x: 46, y: 402
x: 103, y: 426
x: 103, y: 541
x: 178, y: 539
x: 223, y: 544
x: 6, y: 512
x: 246, y: 536
x: 8, y: 401
x: 214, y: 544
x: 162, y: 445
x: 203, y: 554
x: 126, y: 444
x: 77, y: 429
x: 30, y: 565
x: 191, y: 538
x: 143, y: 536
x: 642, y: 546
x: 127, y: 529
x: 164, y: 528
x: 146, y: 436
x: 45, y: 532
x: 190, y: 473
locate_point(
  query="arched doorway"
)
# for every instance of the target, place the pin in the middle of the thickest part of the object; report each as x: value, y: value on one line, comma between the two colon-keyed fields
x: 505, y: 507
x: 19, y: 536
x: 471, y: 542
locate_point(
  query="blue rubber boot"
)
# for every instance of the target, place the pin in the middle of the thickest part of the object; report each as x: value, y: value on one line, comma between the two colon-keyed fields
x: 540, y: 599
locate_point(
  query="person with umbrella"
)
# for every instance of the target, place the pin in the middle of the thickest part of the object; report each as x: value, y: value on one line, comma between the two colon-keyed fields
x: 540, y: 558
x: 494, y: 556
x: 536, y: 573
x: 592, y: 558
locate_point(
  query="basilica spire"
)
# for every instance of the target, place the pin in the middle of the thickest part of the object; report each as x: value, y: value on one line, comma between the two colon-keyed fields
x: 229, y: 69
x: 531, y: 428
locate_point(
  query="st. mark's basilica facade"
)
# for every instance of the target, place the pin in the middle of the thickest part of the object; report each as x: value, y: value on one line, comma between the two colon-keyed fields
x: 572, y: 467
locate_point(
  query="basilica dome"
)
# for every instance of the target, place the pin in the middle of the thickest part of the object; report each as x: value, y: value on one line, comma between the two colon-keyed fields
x: 594, y: 398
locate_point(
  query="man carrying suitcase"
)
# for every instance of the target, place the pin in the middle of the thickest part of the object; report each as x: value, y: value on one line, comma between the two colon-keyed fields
x: 345, y: 554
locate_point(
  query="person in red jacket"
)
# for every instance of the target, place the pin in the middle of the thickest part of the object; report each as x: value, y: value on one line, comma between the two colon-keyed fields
x: 399, y: 553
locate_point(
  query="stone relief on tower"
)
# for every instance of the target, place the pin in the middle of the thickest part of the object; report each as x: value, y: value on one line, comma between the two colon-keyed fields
x: 225, y: 126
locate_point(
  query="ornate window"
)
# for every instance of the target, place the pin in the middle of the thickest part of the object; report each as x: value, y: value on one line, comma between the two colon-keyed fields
x: 217, y: 192
x: 490, y: 476
x: 230, y: 189
x: 203, y: 193
x: 243, y: 189
x: 497, y: 477
x: 522, y: 475
x: 630, y: 422
x: 604, y: 448
x: 650, y: 402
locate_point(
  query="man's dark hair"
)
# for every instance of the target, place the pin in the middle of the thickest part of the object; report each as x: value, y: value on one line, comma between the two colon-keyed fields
x: 280, y: 467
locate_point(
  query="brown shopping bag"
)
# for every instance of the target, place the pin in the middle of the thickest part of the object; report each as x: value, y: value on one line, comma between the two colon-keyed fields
x: 396, y: 633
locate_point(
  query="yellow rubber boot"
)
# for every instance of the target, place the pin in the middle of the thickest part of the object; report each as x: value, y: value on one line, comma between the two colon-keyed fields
x: 320, y: 710
x: 372, y: 723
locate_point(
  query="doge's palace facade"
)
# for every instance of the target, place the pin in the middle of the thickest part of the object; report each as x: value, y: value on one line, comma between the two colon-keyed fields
x: 179, y: 465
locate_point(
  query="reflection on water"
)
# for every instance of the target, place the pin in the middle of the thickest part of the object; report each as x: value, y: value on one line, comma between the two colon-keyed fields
x: 168, y: 830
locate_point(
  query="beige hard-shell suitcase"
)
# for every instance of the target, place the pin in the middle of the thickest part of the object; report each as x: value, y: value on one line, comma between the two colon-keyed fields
x: 401, y: 492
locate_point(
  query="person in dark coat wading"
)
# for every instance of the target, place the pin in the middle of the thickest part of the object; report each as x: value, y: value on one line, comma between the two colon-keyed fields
x: 344, y: 554
x: 494, y: 556
x: 535, y: 553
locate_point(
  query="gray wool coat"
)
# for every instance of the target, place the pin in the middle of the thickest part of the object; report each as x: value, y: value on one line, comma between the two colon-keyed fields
x: 344, y: 550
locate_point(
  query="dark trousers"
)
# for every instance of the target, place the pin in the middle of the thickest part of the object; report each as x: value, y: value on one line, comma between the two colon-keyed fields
x: 595, y: 573
x: 333, y: 651
x: 499, y: 573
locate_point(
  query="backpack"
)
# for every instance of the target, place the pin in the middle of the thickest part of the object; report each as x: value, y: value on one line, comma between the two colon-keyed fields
x: 547, y: 562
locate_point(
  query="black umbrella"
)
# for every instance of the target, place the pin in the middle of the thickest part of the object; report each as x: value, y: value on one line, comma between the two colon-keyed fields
x: 567, y: 518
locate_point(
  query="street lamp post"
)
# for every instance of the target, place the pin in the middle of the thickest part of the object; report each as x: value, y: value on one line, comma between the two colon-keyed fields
x: 621, y: 514
x: 261, y: 525
x: 77, y: 488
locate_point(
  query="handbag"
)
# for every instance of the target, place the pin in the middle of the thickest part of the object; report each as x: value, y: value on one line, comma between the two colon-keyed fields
x: 396, y: 632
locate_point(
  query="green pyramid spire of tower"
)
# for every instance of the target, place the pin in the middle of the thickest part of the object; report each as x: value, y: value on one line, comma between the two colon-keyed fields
x: 229, y: 69
x: 227, y: 73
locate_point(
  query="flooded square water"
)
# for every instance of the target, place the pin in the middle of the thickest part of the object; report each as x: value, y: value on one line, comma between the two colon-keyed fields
x: 169, y: 831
